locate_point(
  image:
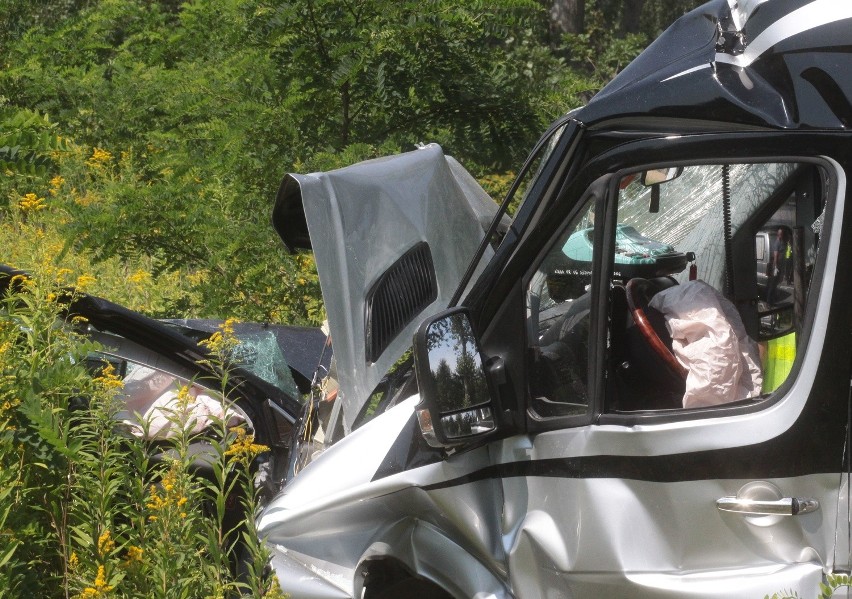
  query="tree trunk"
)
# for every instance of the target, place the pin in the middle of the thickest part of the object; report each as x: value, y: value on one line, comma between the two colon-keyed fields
x: 567, y: 16
x: 345, y: 125
x: 631, y: 16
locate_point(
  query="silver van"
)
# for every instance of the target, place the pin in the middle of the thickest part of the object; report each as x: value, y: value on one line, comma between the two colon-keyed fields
x: 504, y: 420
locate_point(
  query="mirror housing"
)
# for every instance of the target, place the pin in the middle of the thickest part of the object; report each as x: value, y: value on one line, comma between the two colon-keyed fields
x: 455, y: 405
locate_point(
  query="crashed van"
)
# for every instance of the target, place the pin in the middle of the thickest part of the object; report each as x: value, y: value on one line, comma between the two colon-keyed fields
x: 510, y: 416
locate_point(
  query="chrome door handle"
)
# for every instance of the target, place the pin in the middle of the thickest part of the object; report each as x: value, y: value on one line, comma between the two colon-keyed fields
x: 786, y: 506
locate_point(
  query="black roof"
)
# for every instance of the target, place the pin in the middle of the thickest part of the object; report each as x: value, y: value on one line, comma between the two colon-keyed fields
x: 788, y: 66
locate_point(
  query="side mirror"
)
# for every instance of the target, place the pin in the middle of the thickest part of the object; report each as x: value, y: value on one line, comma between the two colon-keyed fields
x: 455, y: 406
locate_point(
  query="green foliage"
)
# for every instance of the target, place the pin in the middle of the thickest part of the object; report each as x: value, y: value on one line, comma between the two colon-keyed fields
x: 186, y: 116
x: 86, y: 511
x: 378, y: 70
x: 28, y: 141
x: 182, y: 117
x: 832, y: 583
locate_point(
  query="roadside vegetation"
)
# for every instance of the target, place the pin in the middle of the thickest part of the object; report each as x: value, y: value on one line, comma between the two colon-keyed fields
x: 87, y: 511
x: 141, y: 146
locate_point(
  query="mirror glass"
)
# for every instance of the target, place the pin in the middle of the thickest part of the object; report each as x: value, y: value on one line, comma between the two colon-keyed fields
x: 456, y: 368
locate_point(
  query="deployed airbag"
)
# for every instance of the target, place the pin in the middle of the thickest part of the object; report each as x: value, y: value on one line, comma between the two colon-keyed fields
x: 710, y: 341
x: 154, y: 409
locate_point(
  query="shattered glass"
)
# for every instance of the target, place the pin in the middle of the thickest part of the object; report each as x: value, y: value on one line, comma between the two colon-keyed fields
x: 260, y: 354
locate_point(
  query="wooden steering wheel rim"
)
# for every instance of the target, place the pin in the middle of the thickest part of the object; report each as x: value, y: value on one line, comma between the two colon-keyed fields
x: 634, y: 288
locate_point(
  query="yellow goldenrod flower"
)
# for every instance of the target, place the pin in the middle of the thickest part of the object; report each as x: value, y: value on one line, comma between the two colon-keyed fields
x: 55, y: 184
x: 183, y: 400
x: 243, y: 448
x: 134, y: 554
x: 31, y: 203
x: 73, y: 561
x: 99, y: 158
x: 105, y: 543
x: 108, y: 380
x: 99, y: 588
x: 140, y: 276
x: 84, y: 281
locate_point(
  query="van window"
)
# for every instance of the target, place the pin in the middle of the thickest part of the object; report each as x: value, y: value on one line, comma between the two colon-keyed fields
x: 558, y: 306
x: 709, y: 268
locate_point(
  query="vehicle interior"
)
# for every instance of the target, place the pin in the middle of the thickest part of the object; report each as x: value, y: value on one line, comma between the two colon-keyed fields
x: 709, y: 268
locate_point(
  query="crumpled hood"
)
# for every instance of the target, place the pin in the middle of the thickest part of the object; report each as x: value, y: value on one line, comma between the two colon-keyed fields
x: 359, y: 221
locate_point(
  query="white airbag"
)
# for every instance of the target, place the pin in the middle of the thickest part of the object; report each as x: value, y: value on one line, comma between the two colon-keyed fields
x: 710, y: 341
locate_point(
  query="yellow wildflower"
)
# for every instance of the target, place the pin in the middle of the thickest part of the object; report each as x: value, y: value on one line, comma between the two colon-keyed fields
x: 99, y: 588
x: 243, y: 448
x: 140, y: 276
x: 108, y: 379
x: 223, y: 341
x: 84, y: 281
x: 99, y: 158
x: 105, y: 543
x: 55, y: 184
x: 31, y: 203
x: 184, y: 397
x: 134, y: 554
x: 73, y: 561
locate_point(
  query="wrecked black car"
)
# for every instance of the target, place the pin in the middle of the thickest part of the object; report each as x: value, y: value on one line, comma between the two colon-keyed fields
x: 271, y: 369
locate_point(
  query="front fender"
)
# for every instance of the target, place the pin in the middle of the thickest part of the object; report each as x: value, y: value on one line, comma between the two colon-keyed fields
x: 427, y: 552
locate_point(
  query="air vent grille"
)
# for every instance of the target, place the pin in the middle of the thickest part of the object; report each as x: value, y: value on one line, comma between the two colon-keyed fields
x: 400, y: 294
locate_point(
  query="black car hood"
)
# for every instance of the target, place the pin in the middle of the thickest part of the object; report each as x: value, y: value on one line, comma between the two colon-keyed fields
x: 767, y: 64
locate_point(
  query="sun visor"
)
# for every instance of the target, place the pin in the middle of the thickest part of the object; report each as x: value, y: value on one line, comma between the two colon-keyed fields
x: 392, y: 238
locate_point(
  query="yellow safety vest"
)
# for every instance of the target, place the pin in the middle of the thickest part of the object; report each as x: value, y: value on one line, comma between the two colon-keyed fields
x: 780, y: 354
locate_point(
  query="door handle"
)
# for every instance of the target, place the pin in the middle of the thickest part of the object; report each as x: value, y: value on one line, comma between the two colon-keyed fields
x: 786, y: 506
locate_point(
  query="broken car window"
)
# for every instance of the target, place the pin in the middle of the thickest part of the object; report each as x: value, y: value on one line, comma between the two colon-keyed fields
x: 701, y: 313
x: 709, y: 268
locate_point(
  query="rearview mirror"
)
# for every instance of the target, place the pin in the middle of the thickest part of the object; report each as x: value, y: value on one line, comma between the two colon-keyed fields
x: 455, y: 406
x: 661, y: 175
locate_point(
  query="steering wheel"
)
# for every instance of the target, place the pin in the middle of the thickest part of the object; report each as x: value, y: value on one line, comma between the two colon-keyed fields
x: 639, y: 293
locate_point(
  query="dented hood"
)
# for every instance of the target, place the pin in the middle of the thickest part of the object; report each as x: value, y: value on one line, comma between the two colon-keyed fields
x: 780, y: 64
x: 392, y: 238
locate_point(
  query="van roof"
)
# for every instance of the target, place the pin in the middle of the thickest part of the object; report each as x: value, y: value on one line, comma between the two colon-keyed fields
x: 781, y: 64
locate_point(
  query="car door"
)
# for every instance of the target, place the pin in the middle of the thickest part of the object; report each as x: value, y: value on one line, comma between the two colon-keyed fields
x: 650, y: 471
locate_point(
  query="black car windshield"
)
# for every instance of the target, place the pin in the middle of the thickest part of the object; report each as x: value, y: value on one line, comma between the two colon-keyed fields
x: 262, y: 349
